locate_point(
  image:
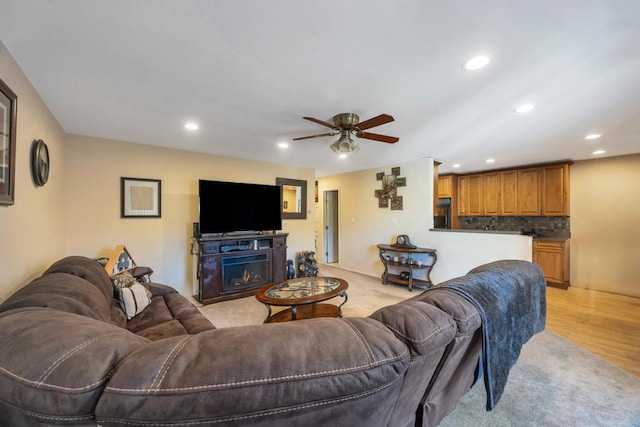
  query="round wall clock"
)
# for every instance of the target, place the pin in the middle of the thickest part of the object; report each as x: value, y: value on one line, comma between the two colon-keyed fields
x: 40, y: 162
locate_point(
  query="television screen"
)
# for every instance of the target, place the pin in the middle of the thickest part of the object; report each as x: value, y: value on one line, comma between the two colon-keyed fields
x: 226, y: 207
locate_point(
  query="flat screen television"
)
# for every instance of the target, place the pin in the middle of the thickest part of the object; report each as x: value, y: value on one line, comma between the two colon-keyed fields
x: 227, y: 207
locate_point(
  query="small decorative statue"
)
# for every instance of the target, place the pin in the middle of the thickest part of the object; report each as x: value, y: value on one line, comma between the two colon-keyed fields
x: 291, y: 272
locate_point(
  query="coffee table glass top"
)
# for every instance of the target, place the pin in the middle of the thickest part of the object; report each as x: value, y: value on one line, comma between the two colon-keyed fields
x: 304, y: 287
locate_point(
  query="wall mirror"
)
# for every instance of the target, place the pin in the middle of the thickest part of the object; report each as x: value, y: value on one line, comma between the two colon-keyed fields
x: 294, y: 198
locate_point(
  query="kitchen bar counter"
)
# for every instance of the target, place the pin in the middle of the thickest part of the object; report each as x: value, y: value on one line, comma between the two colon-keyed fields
x: 460, y: 230
x: 544, y: 237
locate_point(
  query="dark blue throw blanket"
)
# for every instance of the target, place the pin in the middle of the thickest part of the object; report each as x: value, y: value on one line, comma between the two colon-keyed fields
x: 511, y: 298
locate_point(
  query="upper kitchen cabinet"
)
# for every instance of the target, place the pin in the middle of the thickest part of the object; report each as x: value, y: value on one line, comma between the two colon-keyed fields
x: 554, y: 188
x: 532, y: 191
x: 470, y: 195
x: 529, y: 192
x: 491, y: 193
x: 445, y: 186
x: 509, y: 193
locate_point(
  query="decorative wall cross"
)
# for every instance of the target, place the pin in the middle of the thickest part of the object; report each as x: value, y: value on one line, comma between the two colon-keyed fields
x: 389, y: 193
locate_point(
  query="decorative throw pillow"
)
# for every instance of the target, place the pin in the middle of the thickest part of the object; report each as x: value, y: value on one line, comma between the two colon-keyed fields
x: 134, y: 299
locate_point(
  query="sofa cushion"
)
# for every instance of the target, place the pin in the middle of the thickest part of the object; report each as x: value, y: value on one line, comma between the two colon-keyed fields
x: 54, y: 365
x: 295, y: 372
x: 169, y: 314
x: 62, y: 291
x: 86, y: 268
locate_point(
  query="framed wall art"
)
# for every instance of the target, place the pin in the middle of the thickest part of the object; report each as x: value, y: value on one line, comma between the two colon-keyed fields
x: 8, y: 113
x: 140, y: 198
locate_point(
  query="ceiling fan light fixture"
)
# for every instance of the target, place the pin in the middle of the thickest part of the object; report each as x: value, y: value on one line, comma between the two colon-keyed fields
x: 345, y: 144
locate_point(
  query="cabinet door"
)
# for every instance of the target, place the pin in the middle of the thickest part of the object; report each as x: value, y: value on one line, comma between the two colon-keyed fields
x: 491, y: 193
x: 528, y: 191
x: 463, y: 196
x: 555, y: 190
x: 475, y: 195
x: 470, y: 195
x: 210, y: 285
x: 552, y: 257
x: 445, y: 186
x: 509, y: 193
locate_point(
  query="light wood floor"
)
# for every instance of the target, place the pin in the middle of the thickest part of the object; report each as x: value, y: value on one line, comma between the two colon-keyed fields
x: 607, y: 325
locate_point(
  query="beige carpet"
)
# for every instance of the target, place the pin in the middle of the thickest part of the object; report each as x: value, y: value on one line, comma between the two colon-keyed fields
x: 365, y: 295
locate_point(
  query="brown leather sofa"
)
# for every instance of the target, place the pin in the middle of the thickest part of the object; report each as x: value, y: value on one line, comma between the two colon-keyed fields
x: 68, y: 356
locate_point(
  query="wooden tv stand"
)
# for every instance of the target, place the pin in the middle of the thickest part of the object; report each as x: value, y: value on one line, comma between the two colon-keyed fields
x: 237, y: 266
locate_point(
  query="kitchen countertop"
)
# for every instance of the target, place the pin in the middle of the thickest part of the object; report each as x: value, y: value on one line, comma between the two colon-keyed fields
x: 557, y: 237
x: 461, y: 230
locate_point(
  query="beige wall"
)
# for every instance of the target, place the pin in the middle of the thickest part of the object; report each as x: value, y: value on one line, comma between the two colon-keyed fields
x: 32, y: 230
x: 363, y: 225
x: 605, y: 224
x: 78, y: 210
x: 93, y: 202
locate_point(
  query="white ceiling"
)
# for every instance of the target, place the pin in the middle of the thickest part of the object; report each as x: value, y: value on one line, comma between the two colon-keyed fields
x: 247, y: 71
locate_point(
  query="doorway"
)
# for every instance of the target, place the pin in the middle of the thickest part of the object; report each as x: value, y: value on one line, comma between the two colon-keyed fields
x: 330, y: 226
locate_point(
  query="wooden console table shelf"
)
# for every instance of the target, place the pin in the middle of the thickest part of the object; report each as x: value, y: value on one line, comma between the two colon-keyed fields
x: 417, y: 261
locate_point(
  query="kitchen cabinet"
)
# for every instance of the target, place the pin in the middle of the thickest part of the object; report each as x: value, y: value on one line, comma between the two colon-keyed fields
x: 445, y: 186
x: 531, y: 191
x: 553, y: 258
x: 491, y: 193
x: 509, y: 193
x: 554, y: 189
x: 528, y: 192
x: 470, y: 195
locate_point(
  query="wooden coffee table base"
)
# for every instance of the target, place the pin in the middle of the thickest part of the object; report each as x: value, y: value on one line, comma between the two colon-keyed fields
x: 308, y: 311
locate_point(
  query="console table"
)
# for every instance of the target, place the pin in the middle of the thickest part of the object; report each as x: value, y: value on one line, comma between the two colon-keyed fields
x: 412, y: 261
x: 230, y: 267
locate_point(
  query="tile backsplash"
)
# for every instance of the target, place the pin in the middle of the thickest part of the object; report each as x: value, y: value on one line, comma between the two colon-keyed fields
x: 540, y: 224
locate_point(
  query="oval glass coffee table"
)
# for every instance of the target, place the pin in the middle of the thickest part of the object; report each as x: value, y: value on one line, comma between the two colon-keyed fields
x: 303, y: 297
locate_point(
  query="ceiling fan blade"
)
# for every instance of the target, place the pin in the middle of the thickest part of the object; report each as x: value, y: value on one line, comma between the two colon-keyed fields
x: 316, y: 136
x: 378, y: 137
x: 375, y: 121
x: 320, y: 122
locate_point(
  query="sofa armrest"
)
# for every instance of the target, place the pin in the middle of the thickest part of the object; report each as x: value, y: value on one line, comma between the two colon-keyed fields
x: 158, y: 289
x: 293, y: 373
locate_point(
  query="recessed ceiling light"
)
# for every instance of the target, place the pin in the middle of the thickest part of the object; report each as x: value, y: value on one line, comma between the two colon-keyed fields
x: 455, y: 165
x: 476, y: 63
x: 343, y: 156
x: 191, y: 126
x: 283, y: 145
x: 593, y: 136
x: 599, y: 152
x: 490, y: 160
x: 525, y: 108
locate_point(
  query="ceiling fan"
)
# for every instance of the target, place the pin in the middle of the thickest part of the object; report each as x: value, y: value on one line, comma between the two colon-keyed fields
x: 348, y: 125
